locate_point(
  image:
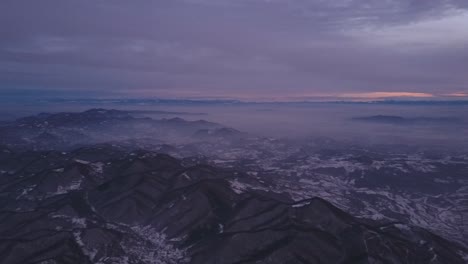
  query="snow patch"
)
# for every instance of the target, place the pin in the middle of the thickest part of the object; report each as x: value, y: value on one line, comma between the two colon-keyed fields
x: 98, y: 167
x: 402, y: 227
x: 82, y: 161
x: 74, y: 185
x: 237, y: 186
x: 152, y: 247
x: 79, y: 222
x: 90, y: 253
x: 186, y: 176
x: 299, y: 205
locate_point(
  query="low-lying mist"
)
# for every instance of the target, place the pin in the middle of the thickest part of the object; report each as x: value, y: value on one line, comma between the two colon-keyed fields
x: 426, y: 125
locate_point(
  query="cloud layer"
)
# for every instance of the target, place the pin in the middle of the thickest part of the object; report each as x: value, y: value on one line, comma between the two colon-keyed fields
x: 233, y: 48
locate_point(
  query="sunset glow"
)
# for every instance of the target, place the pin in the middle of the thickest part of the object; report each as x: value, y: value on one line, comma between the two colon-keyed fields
x: 383, y: 95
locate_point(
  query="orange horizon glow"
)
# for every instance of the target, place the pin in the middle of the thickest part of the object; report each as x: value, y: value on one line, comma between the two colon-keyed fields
x: 458, y: 94
x: 298, y: 97
x: 378, y: 95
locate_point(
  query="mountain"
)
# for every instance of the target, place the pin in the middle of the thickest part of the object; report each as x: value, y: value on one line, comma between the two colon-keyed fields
x: 104, y: 204
x: 398, y: 120
x: 223, y: 133
x: 68, y: 130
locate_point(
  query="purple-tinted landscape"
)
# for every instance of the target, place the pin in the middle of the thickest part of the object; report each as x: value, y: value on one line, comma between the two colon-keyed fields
x: 233, y: 131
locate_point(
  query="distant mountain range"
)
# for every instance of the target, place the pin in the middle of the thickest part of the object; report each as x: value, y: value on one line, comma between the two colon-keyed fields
x: 399, y: 120
x: 163, y: 101
x: 71, y: 129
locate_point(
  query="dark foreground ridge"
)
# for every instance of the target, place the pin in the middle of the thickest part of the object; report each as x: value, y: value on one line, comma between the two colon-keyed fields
x: 102, y: 204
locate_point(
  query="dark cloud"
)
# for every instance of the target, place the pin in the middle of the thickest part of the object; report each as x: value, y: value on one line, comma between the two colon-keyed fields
x: 233, y: 48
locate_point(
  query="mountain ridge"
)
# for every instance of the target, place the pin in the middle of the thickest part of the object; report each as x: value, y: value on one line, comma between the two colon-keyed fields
x: 198, y: 210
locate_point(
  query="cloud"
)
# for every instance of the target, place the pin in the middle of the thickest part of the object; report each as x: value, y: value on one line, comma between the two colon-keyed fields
x: 236, y: 48
x: 439, y: 32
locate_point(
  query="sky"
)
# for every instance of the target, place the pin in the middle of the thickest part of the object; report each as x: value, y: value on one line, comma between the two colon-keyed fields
x: 235, y: 49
